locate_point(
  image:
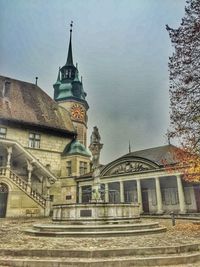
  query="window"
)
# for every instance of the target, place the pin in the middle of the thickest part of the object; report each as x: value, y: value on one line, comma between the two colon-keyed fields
x: 82, y: 167
x: 68, y: 74
x: 69, y: 168
x: 187, y: 191
x: 1, y: 161
x: 153, y: 196
x: 170, y: 196
x: 34, y: 140
x: 86, y: 193
x: 3, y: 132
x: 51, y: 198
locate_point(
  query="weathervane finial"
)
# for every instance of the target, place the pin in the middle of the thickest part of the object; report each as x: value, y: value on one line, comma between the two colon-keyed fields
x: 71, y: 26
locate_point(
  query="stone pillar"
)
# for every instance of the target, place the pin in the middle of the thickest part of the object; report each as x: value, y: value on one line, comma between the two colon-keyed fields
x: 121, y: 191
x: 158, y: 196
x: 106, y: 193
x: 9, y: 151
x: 139, y: 195
x: 29, y: 169
x: 181, y: 195
x: 80, y: 194
x: 48, y: 202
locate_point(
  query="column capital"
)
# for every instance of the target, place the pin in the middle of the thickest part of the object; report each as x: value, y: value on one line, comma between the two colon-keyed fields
x: 9, y: 149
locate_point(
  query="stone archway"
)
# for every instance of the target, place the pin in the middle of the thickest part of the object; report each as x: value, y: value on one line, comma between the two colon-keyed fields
x: 3, y: 199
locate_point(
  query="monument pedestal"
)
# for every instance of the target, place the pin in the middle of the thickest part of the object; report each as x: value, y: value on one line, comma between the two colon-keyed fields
x: 97, y: 213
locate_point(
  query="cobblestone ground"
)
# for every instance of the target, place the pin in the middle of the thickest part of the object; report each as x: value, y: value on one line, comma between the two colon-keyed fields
x: 12, y: 236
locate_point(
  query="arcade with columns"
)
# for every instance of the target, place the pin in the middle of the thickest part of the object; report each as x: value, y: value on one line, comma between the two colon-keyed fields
x: 141, y: 177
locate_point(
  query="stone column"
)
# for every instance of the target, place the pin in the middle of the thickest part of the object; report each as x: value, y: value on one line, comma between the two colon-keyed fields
x: 139, y: 195
x: 48, y: 202
x: 29, y: 169
x: 106, y: 193
x: 80, y: 194
x: 181, y: 195
x: 9, y: 151
x: 121, y: 191
x: 158, y: 196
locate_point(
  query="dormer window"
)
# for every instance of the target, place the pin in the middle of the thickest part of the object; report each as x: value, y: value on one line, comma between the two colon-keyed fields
x: 34, y: 140
x: 3, y: 132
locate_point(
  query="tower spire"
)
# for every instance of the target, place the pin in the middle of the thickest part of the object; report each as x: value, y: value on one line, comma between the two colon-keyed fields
x: 69, y: 55
x: 129, y: 147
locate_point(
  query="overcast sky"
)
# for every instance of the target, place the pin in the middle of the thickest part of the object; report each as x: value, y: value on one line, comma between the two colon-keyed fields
x: 122, y: 50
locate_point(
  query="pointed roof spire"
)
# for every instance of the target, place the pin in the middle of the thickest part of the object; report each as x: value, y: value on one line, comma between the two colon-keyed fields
x: 129, y: 147
x: 69, y: 56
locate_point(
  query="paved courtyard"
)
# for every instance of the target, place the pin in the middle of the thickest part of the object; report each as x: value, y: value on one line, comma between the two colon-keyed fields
x: 12, y: 236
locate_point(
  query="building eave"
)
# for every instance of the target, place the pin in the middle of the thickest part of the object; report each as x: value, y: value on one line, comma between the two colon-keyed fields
x: 37, y: 127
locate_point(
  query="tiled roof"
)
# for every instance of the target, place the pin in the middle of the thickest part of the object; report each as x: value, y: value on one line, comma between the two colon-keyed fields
x: 27, y: 103
x: 161, y: 156
x: 157, y: 155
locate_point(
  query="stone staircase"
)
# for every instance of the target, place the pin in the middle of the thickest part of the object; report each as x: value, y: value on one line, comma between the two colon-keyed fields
x: 104, y: 230
x: 23, y: 185
x: 186, y: 255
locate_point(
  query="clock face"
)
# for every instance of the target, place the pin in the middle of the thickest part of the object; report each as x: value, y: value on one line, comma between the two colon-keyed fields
x: 77, y: 112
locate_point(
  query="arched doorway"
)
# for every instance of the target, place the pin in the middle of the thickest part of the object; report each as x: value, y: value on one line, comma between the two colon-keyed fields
x: 3, y: 199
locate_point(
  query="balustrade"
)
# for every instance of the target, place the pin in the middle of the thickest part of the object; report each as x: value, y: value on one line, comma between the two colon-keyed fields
x: 2, y: 171
x: 23, y: 185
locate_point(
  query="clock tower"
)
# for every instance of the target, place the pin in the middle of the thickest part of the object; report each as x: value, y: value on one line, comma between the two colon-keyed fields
x: 69, y: 93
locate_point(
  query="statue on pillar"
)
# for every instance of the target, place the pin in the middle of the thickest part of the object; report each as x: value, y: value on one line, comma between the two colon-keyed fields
x: 95, y: 148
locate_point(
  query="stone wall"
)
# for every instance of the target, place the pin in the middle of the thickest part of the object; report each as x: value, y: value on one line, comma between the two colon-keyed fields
x: 18, y: 203
x: 51, y: 146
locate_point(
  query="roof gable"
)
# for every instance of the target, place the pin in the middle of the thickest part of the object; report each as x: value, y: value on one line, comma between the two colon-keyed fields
x: 127, y: 166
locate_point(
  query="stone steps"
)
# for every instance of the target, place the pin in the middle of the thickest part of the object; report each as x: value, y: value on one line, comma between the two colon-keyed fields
x: 102, y: 252
x: 95, y: 234
x: 99, y: 230
x: 186, y: 259
x: 93, y: 228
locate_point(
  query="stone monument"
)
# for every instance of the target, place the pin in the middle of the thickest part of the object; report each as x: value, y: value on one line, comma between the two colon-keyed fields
x: 95, y: 148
